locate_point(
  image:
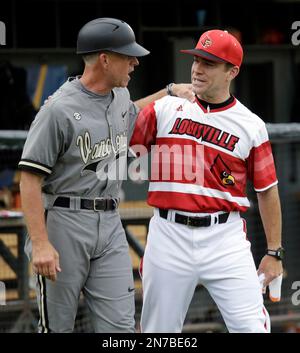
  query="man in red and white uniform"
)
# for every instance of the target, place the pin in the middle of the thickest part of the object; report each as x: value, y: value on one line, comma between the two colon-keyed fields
x: 202, y: 155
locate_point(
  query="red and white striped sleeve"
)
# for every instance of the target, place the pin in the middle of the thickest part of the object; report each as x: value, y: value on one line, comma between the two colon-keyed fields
x: 261, y: 168
x: 145, y: 129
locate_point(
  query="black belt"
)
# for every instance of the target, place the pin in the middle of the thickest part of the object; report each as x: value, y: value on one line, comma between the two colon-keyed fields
x: 97, y: 204
x: 205, y: 221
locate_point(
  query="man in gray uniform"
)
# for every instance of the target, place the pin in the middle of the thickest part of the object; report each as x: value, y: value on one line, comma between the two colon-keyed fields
x: 80, y: 245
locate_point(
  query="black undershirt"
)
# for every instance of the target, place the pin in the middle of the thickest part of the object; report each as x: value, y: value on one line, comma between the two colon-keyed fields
x: 215, y: 105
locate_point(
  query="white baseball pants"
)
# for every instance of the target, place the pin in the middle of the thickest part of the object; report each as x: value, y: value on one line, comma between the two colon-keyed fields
x: 178, y: 258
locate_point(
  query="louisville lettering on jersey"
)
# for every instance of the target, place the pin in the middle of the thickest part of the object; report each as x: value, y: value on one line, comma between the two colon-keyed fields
x: 234, y: 148
x: 207, y: 133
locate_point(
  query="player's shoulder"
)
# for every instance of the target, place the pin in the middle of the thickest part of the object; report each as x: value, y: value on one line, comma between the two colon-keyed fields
x: 57, y: 106
x: 67, y: 94
x: 171, y: 103
x: 247, y: 116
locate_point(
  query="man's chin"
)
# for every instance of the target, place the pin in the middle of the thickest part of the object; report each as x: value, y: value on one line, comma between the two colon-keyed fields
x: 198, y: 90
x: 123, y: 84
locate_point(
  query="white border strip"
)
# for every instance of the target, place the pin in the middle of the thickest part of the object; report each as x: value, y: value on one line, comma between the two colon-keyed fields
x: 267, y: 187
x: 197, y: 190
x: 42, y: 308
x: 36, y: 166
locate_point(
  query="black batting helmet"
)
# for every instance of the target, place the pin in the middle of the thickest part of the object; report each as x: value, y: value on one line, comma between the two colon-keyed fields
x: 108, y: 34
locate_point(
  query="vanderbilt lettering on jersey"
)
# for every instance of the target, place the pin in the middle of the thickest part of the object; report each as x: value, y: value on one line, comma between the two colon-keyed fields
x: 100, y: 150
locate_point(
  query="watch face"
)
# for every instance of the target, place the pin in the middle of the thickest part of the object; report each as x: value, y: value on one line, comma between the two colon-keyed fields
x: 281, y: 253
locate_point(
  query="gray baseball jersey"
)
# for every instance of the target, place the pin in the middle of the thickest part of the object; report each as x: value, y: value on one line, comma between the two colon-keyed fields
x: 74, y: 139
x: 73, y: 133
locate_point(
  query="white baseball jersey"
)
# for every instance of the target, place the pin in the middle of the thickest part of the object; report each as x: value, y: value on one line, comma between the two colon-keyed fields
x: 213, y: 150
x: 221, y: 146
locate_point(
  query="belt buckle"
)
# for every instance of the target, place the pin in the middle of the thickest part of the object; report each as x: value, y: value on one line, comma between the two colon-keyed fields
x: 101, y: 199
x: 199, y: 221
x: 189, y: 222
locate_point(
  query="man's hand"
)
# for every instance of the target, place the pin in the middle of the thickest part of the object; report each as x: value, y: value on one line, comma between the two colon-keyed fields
x: 45, y: 259
x: 183, y: 90
x: 271, y: 268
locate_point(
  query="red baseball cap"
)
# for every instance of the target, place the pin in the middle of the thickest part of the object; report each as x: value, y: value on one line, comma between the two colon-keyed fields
x: 219, y: 46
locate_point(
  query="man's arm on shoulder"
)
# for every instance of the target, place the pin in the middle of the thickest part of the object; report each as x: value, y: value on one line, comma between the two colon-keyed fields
x: 182, y: 90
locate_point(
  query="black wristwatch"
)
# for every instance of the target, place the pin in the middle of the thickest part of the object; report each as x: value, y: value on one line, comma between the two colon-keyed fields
x: 278, y: 254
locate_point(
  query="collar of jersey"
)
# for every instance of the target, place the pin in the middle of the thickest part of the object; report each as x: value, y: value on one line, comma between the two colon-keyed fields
x: 216, y: 107
x: 77, y: 81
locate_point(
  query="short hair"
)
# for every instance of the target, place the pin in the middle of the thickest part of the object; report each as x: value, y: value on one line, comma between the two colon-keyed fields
x: 228, y: 66
x: 90, y: 58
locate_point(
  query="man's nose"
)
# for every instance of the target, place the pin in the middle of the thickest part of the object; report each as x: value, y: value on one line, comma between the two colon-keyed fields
x: 134, y: 61
x: 198, y: 67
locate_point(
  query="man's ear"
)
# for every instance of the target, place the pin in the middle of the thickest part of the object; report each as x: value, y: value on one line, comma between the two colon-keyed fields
x: 234, y: 71
x: 103, y: 57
